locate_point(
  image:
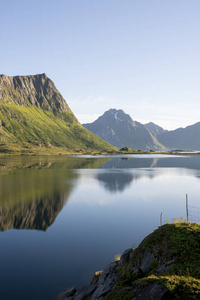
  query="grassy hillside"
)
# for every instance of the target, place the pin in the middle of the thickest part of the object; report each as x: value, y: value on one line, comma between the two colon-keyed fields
x: 35, y: 118
x: 31, y: 128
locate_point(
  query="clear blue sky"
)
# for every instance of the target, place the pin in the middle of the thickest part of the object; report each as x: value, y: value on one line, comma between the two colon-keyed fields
x: 142, y: 56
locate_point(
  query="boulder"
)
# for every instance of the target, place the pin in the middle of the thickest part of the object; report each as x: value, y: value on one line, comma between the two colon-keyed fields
x: 146, y: 262
x: 125, y: 257
x: 106, y: 282
x: 96, y: 277
x: 153, y: 291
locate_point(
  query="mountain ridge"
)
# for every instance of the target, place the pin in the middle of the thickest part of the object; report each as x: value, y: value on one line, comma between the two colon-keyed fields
x: 157, y: 138
x: 182, y: 138
x: 32, y: 89
x: 120, y: 130
x: 154, y: 128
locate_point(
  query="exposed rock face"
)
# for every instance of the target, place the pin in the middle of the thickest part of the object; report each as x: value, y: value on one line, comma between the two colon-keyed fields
x: 151, y: 292
x: 106, y: 281
x: 152, y: 271
x: 146, y: 262
x: 36, y: 90
x: 154, y: 128
x: 119, y: 129
x: 182, y: 138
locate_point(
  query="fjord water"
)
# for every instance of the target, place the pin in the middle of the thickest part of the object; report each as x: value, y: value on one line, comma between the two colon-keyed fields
x: 63, y: 218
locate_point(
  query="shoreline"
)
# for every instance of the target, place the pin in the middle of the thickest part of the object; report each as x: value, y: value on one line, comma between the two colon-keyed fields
x: 151, y: 271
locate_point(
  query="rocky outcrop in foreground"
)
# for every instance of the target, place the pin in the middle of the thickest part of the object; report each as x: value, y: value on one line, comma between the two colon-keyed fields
x: 164, y: 266
x: 105, y: 281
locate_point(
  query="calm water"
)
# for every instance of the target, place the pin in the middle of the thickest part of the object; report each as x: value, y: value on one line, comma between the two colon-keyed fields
x: 62, y: 219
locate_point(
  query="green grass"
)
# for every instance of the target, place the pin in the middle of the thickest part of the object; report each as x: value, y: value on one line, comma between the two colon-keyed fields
x: 25, y: 129
x: 179, y: 242
x: 180, y: 287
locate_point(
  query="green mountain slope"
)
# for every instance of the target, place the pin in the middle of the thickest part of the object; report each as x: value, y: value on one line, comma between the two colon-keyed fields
x: 34, y: 115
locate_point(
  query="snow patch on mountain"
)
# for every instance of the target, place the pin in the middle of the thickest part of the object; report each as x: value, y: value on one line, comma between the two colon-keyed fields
x: 116, y: 117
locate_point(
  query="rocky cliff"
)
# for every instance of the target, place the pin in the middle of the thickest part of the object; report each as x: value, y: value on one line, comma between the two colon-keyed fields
x: 37, y: 90
x: 154, y: 128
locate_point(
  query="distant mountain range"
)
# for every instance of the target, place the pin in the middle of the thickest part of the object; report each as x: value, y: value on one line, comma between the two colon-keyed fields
x: 35, y: 116
x: 119, y: 129
x: 35, y: 119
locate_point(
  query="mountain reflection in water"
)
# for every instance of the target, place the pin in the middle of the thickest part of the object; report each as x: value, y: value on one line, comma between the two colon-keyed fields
x: 120, y: 172
x: 33, y: 192
x: 118, y: 181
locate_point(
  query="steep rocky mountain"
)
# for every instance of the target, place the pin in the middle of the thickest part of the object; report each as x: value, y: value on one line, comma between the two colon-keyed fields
x: 154, y: 128
x: 37, y: 90
x: 182, y: 138
x: 118, y: 128
x: 34, y: 113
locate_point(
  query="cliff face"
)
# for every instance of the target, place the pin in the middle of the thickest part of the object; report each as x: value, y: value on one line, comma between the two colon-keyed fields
x: 36, y: 90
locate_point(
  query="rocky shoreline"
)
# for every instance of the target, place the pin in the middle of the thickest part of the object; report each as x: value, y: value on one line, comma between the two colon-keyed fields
x: 106, y: 281
x: 165, y: 266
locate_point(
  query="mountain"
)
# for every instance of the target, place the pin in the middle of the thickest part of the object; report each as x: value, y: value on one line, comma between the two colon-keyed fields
x: 154, y: 128
x: 118, y: 128
x: 35, y: 116
x: 182, y: 138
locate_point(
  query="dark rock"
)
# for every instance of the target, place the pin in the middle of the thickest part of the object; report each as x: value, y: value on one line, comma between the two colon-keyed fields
x: 66, y: 294
x: 134, y: 271
x: 125, y: 257
x: 151, y: 292
x: 165, y: 267
x: 107, y: 281
x: 146, y: 262
x: 84, y: 292
x: 96, y: 277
